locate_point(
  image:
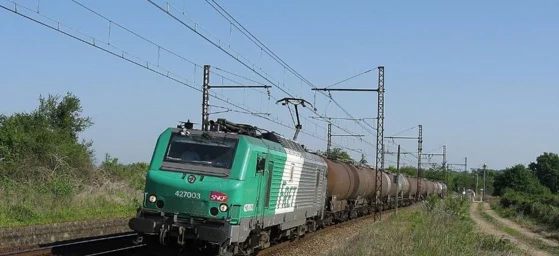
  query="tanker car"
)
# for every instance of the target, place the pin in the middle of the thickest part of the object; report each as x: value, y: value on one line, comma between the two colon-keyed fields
x: 237, y: 189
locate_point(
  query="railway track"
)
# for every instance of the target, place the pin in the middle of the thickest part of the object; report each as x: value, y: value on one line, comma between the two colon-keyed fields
x: 122, y: 244
x: 278, y: 248
x: 106, y: 245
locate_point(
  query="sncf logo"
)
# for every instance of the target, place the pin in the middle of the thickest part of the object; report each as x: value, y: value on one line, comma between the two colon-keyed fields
x: 218, y: 196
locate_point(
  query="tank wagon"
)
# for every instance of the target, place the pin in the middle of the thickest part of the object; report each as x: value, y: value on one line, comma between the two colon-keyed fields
x: 238, y: 189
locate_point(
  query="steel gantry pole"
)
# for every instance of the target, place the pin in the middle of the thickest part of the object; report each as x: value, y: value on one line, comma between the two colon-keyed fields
x: 419, y: 139
x: 444, y: 166
x: 206, y: 99
x: 206, y: 95
x: 380, y: 131
x: 379, y: 164
x: 477, y: 177
x: 419, y: 149
x: 330, y: 135
x: 465, y: 164
x: 484, y: 187
x: 397, y: 179
x: 329, y: 143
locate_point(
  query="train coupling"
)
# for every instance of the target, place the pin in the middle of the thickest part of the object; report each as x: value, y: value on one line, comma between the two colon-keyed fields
x: 139, y: 239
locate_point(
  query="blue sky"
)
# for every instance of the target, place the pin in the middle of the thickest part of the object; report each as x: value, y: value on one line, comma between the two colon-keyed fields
x: 481, y: 77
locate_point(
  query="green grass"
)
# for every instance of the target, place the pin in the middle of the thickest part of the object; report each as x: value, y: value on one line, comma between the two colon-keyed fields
x: 14, y: 215
x: 24, y: 205
x: 517, y: 234
x: 510, y: 213
x: 440, y: 228
x: 526, y: 221
x: 511, y: 231
x: 506, y: 229
x: 115, y: 191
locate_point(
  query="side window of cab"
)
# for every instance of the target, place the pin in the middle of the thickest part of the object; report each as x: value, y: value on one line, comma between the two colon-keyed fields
x: 260, y: 163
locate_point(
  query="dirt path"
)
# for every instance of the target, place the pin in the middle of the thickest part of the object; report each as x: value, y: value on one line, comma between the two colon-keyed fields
x: 487, y: 209
x: 491, y: 229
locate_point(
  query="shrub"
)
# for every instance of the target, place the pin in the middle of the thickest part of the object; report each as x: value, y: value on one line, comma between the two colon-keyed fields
x: 48, y: 175
x: 451, y: 206
x: 541, y: 208
x: 518, y: 178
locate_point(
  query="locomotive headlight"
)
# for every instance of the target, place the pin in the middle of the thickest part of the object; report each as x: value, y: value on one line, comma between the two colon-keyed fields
x: 223, y: 207
x: 152, y: 198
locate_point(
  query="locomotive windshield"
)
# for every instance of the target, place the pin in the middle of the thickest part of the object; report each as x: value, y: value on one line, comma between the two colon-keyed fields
x: 199, y: 150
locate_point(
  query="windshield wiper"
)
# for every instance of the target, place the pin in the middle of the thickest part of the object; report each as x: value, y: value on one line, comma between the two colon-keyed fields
x: 218, y: 164
x: 199, y: 162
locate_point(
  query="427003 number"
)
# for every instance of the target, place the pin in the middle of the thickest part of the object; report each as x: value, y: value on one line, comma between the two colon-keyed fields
x: 187, y: 194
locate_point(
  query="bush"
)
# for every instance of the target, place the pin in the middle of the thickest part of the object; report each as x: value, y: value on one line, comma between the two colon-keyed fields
x: 133, y: 173
x: 518, y: 178
x: 43, y: 145
x: 451, y: 206
x: 47, y: 174
x: 542, y: 208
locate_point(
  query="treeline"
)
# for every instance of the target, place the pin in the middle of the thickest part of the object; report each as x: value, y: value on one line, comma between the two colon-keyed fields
x: 44, y: 166
x: 531, y: 190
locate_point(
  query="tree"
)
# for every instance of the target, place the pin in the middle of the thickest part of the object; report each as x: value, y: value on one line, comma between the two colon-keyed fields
x: 64, y: 115
x: 546, y: 168
x: 518, y: 178
x: 338, y: 154
x: 45, y: 138
x: 406, y: 170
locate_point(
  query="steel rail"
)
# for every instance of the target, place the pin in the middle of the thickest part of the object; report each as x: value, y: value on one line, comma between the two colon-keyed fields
x: 273, y: 250
x: 48, y: 250
x: 118, y: 250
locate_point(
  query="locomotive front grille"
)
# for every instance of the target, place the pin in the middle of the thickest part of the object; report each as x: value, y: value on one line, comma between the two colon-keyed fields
x: 186, y: 206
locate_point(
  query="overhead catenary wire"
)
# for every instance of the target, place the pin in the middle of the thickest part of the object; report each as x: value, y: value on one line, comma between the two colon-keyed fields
x: 147, y: 65
x: 218, y: 45
x: 183, y: 58
x: 345, y: 80
x: 159, y: 47
x: 248, y: 79
x: 271, y: 96
x: 237, y: 56
x: 409, y: 129
x: 270, y: 53
x: 403, y: 150
x: 60, y: 27
x: 351, y: 77
x: 434, y: 149
x: 404, y: 156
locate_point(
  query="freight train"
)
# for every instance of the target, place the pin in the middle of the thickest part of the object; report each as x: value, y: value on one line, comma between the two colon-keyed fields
x: 238, y: 189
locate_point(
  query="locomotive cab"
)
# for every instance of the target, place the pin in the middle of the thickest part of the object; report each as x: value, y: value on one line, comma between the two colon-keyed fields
x: 190, y: 174
x: 199, y: 187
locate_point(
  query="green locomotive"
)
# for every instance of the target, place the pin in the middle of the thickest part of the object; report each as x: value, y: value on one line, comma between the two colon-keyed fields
x: 230, y: 188
x: 236, y: 189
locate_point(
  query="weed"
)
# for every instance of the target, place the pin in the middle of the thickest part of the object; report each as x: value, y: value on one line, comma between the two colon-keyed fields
x: 441, y: 227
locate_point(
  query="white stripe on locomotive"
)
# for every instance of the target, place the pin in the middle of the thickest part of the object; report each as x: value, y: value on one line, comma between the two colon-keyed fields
x: 290, y: 182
